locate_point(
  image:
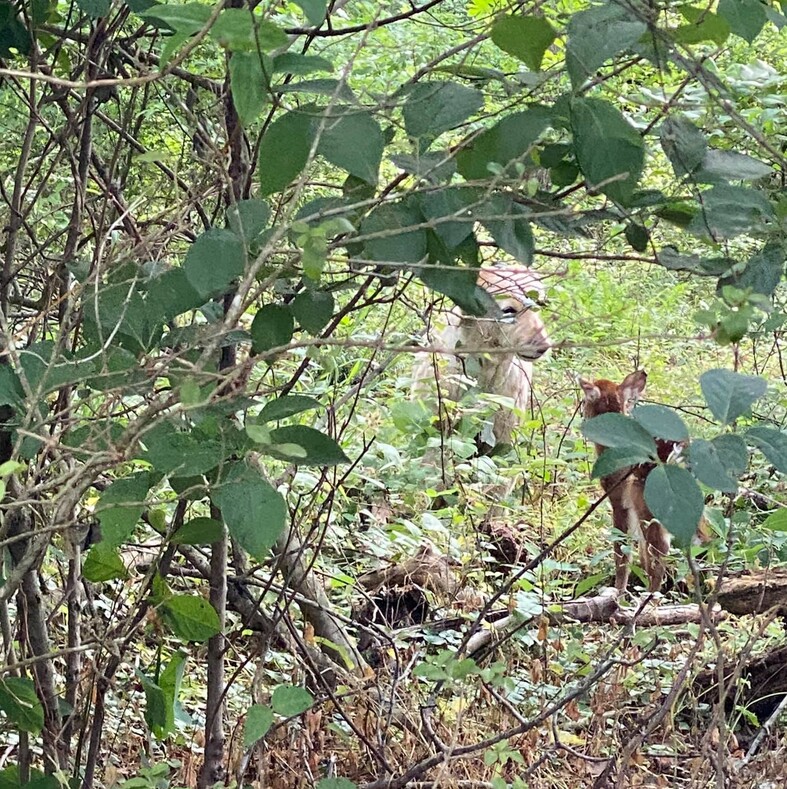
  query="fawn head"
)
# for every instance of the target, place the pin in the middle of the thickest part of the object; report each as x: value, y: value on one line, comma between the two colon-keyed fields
x: 605, y: 397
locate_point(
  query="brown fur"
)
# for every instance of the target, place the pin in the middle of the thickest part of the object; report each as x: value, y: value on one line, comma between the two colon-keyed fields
x: 520, y: 335
x: 625, y: 488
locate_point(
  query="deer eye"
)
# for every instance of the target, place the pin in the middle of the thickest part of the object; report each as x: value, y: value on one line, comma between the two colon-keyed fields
x: 510, y: 310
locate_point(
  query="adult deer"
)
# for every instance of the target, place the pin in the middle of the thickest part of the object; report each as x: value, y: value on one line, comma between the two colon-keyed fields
x: 626, y: 488
x: 512, y: 336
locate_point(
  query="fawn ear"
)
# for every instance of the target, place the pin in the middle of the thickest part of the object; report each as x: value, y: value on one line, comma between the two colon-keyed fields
x: 592, y: 392
x: 633, y: 385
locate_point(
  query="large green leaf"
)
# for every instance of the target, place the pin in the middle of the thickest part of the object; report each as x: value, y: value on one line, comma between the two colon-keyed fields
x: 353, y: 141
x: 396, y: 241
x: 170, y: 294
x: 314, y: 10
x: 661, y: 422
x: 763, y: 271
x: 214, y: 261
x: 504, y: 145
x: 509, y: 224
x: 290, y: 700
x: 103, y: 563
x: 719, y: 463
x: 190, y: 617
x: 772, y: 443
x: 95, y: 8
x: 287, y: 405
x: 121, y: 505
x: 729, y: 211
x: 746, y: 18
x: 259, y: 719
x: 614, y: 459
x: 608, y: 149
x: 305, y: 446
x: 19, y: 702
x: 525, y: 37
x: 248, y: 218
x: 198, y: 531
x: 299, y: 64
x: 249, y: 85
x: 432, y: 108
x: 729, y: 394
x: 186, y: 18
x: 684, y: 144
x: 676, y: 501
x: 313, y: 309
x: 732, y: 166
x: 254, y: 511
x: 450, y: 213
x: 597, y: 35
x: 284, y: 150
x: 619, y: 430
x: 272, y: 327
x: 169, y: 450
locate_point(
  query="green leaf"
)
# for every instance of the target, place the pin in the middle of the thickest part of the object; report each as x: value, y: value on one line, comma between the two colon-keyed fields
x: 432, y: 108
x: 298, y: 64
x: 675, y: 500
x: 169, y: 450
x: 95, y: 8
x: 336, y: 783
x: 596, y: 36
x: 772, y: 443
x: 763, y: 271
x: 504, y: 144
x: 103, y: 563
x: 213, y: 262
x: 719, y: 463
x: 619, y: 430
x: 315, y: 10
x: 729, y: 211
x: 19, y: 702
x: 234, y: 30
x: 354, y: 142
x: 285, y: 406
x: 248, y: 218
x: 460, y: 284
x: 254, y: 511
x: 730, y: 395
x: 170, y: 294
x: 745, y: 17
x: 284, y: 151
x: 525, y: 37
x: 162, y: 697
x: 441, y: 205
x: 318, y: 449
x: 191, y: 618
x: 13, y: 34
x: 198, y: 531
x: 609, y: 150
x: 509, y: 224
x: 638, y: 236
x: 188, y: 18
x: 661, y: 422
x: 732, y: 166
x: 259, y: 720
x: 249, y: 85
x: 703, y: 25
x: 11, y: 391
x: 614, y: 459
x: 313, y: 309
x: 272, y: 327
x: 684, y: 144
x: 289, y: 700
x: 120, y: 507
x: 397, y: 242
x: 776, y: 521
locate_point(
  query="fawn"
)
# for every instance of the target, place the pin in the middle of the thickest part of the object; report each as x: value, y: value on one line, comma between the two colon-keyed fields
x: 626, y: 488
x: 518, y: 331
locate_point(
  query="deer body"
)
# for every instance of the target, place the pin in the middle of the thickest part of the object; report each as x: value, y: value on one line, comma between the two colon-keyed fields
x: 626, y: 488
x: 519, y: 333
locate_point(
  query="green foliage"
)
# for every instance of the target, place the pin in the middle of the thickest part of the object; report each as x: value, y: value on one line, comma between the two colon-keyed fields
x: 161, y: 696
x: 190, y: 618
x: 20, y: 704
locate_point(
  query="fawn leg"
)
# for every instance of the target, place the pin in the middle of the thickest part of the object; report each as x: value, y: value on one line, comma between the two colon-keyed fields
x: 620, y: 520
x: 655, y: 547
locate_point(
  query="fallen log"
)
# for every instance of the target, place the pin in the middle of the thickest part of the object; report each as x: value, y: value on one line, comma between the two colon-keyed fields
x: 754, y: 592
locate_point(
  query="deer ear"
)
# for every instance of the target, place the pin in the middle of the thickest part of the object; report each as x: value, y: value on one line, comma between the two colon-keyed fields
x: 592, y: 392
x: 633, y: 385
